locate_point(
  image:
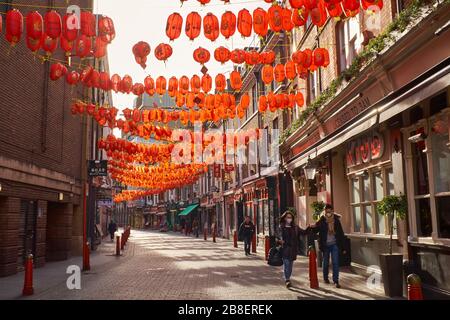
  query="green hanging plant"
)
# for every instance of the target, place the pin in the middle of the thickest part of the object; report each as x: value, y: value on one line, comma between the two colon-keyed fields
x: 393, y: 207
x: 317, y: 207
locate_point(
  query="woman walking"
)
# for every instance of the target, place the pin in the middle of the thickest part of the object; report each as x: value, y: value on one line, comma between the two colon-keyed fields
x: 290, y: 238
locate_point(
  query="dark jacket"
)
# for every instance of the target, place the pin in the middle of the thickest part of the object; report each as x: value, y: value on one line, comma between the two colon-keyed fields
x: 246, y: 230
x: 322, y: 228
x: 291, y: 238
x: 112, y: 228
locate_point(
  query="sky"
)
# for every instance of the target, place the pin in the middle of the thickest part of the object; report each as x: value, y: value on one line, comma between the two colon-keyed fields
x: 145, y: 20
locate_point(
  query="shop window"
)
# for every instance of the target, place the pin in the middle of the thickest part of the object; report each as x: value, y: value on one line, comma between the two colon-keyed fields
x: 443, y: 209
x: 260, y: 216
x: 368, y: 219
x: 357, y: 219
x: 441, y: 155
x: 438, y: 103
x: 423, y: 210
x: 420, y: 165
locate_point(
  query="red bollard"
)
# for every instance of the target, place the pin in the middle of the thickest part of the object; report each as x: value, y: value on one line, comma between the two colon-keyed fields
x: 86, y: 254
x: 235, y: 239
x: 414, y: 287
x: 313, y: 281
x: 28, y: 283
x: 205, y: 237
x: 214, y: 235
x: 267, y: 246
x: 254, y: 243
x: 122, y: 241
x: 117, y: 245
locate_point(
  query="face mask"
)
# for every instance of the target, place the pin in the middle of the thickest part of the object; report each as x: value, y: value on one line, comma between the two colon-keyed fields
x: 329, y: 214
x: 289, y: 220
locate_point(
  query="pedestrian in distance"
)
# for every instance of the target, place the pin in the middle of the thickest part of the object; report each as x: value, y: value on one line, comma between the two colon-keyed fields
x: 290, y: 239
x: 112, y: 228
x: 331, y: 240
x: 246, y: 231
x: 195, y: 227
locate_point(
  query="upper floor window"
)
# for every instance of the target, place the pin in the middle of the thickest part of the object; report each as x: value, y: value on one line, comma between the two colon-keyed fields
x: 313, y: 86
x: 349, y: 41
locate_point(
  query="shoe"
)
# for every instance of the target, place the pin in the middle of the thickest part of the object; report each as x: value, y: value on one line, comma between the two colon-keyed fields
x: 288, y: 284
x: 337, y: 285
x: 326, y: 281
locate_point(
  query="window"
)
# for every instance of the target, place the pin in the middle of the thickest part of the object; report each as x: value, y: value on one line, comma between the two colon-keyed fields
x: 349, y: 41
x: 254, y: 103
x: 313, y: 86
x: 260, y: 216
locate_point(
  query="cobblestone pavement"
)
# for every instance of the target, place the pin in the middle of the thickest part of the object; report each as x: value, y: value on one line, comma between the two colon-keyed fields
x: 172, y: 266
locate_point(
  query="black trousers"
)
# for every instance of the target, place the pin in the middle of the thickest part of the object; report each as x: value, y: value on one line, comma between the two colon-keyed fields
x: 247, y: 244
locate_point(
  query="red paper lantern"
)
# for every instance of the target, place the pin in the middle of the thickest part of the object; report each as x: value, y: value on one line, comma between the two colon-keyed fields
x: 334, y: 8
x: 238, y: 56
x: 105, y: 81
x: 299, y: 100
x: 201, y: 55
x: 252, y: 57
x: 88, y: 24
x: 163, y: 52
x: 308, y: 58
x: 204, y: 2
x: 319, y: 15
x: 206, y: 83
x: 262, y: 105
x: 100, y: 48
x: 174, y: 25
x: 290, y: 70
x: 138, y: 89
x: 368, y: 4
x: 72, y: 77
x: 161, y: 85
x: 228, y: 24
x: 235, y: 80
x: 34, y: 45
x: 126, y: 84
x: 149, y: 85
x: 279, y: 73
x: 267, y: 57
x: 70, y: 26
x: 267, y: 74
x: 222, y: 55
x: 220, y: 82
x: 141, y: 50
x: 57, y: 70
x: 184, y: 85
x: 14, y: 26
x: 173, y: 86
x: 299, y: 17
x: 193, y: 25
x: 66, y: 45
x: 83, y: 46
x: 53, y: 24
x: 34, y: 25
x: 351, y: 7
x: 211, y: 27
x: 195, y: 84
x: 245, y: 23
x: 106, y: 29
x: 260, y: 22
x: 275, y: 18
x: 49, y: 45
x: 286, y: 20
x: 296, y: 4
x: 298, y: 57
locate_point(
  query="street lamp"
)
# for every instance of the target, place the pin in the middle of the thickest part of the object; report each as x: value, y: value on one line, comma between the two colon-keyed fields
x: 310, y: 170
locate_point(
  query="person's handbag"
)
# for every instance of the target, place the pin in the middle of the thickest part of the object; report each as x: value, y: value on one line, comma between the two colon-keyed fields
x: 275, y: 257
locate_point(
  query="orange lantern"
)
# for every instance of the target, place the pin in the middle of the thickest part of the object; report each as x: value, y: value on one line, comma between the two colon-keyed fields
x: 296, y: 4
x: 351, y: 7
x: 262, y: 105
x: 126, y: 84
x: 299, y: 17
x: 88, y: 23
x: 201, y: 55
x: 193, y: 25
x: 238, y: 56
x: 260, y: 22
x: 34, y: 25
x: 184, y: 85
x: 245, y: 101
x: 267, y: 74
x: 99, y: 48
x: 174, y: 25
x: 141, y: 50
x: 211, y: 27
x: 319, y: 15
x: 163, y: 52
x: 220, y: 82
x: 299, y: 100
x: 279, y: 73
x: 14, y: 26
x: 235, y: 80
x: 308, y: 58
x: 149, y: 85
x: 161, y: 85
x: 267, y: 57
x: 206, y: 83
x: 244, y: 23
x: 180, y: 100
x: 222, y: 54
x: 173, y: 86
x: 290, y: 70
x: 275, y: 18
x: 195, y: 84
x: 228, y: 24
x: 138, y: 89
x: 334, y: 8
x: 106, y: 29
x: 252, y: 57
x: 286, y: 20
x: 53, y: 24
x: 298, y: 57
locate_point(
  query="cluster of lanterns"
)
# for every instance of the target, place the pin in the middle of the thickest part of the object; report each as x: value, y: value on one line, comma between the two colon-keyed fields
x: 45, y: 33
x: 273, y: 102
x: 260, y: 21
x: 142, y: 49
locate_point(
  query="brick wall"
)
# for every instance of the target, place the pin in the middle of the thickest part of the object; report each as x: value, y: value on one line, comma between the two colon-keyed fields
x: 9, y: 238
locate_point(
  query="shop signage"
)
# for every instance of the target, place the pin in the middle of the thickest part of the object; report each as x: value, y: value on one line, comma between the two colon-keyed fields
x: 365, y: 149
x: 349, y: 113
x: 261, y: 184
x: 312, y: 139
x: 97, y: 168
x: 217, y: 171
x: 229, y: 168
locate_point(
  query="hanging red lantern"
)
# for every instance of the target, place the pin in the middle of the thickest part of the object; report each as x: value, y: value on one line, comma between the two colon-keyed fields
x: 66, y: 45
x: 220, y: 82
x: 184, y: 85
x: 49, y: 45
x: 318, y: 57
x: 14, y: 26
x: 222, y: 54
x: 302, y: 72
x: 138, y: 89
x: 141, y: 50
x: 275, y: 18
x: 279, y: 73
x: 238, y: 56
x: 88, y: 24
x: 286, y: 20
x: 161, y: 85
x: 34, y: 25
x: 318, y: 15
x: 308, y: 58
x: 86, y: 74
x: 57, y: 70
x: 211, y: 27
x: 351, y: 7
x: 100, y: 48
x: 149, y: 85
x: 260, y: 22
x: 70, y: 26
x: 195, y: 84
x: 193, y: 25
x: 310, y: 4
x: 298, y: 57
x: 83, y: 46
x: 267, y: 57
x: 334, y: 8
x: 174, y: 25
x: 296, y: 4
x: 235, y: 80
x: 372, y: 5
x: 299, y: 17
x: 206, y: 83
x: 72, y: 78
x: 267, y: 74
x: 204, y: 2
x: 163, y: 52
x: 53, y: 24
x: 34, y: 45
x: 299, y: 100
x: 252, y: 57
x: 105, y: 81
x: 262, y: 105
x: 126, y: 84
x: 244, y: 23
x: 290, y: 70
x: 106, y: 29
x: 172, y: 88
x: 201, y: 55
x: 228, y: 24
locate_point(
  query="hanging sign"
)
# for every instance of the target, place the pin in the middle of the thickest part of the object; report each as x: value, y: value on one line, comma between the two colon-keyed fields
x: 97, y: 168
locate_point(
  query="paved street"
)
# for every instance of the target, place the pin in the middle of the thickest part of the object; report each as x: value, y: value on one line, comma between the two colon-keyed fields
x: 171, y: 266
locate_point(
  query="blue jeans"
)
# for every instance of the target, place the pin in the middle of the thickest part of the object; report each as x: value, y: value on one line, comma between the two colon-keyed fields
x: 287, y: 268
x: 334, y: 251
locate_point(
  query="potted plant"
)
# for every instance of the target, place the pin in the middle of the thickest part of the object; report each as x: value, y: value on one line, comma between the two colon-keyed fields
x: 318, y: 207
x: 392, y: 207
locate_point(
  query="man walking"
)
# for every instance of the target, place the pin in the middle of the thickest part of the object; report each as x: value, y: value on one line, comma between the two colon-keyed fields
x: 112, y: 228
x: 246, y: 231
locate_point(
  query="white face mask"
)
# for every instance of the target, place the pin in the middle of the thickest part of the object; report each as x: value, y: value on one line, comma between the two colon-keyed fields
x: 289, y: 220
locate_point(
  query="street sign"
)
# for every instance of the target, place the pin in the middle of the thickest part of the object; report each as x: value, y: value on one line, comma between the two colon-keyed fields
x: 97, y: 168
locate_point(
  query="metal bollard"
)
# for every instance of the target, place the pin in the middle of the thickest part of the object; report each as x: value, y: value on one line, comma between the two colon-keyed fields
x: 313, y: 281
x: 414, y: 287
x: 28, y: 283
